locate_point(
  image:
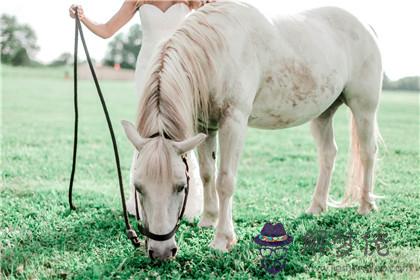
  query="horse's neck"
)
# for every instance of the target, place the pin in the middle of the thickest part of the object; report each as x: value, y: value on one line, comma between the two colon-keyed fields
x: 197, y: 49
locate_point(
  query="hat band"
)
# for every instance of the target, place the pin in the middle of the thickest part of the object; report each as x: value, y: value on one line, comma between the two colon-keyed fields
x: 272, y: 238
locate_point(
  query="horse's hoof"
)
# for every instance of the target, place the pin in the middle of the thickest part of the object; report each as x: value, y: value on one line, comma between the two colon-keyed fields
x: 190, y: 219
x: 191, y: 215
x: 223, y: 243
x: 316, y: 210
x: 366, y: 207
x: 208, y: 221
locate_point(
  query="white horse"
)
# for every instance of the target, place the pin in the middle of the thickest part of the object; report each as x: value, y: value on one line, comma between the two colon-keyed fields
x: 229, y: 67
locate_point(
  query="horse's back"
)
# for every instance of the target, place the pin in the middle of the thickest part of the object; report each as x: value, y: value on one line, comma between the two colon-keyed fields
x: 330, y: 33
x: 357, y: 39
x: 362, y: 55
x: 291, y: 68
x: 302, y: 62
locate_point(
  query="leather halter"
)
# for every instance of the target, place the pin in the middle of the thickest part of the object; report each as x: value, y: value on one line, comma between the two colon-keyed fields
x: 143, y: 229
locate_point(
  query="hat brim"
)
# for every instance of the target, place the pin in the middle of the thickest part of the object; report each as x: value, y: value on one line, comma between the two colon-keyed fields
x: 273, y: 244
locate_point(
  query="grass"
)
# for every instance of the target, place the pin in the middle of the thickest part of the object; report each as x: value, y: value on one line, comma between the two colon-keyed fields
x: 41, y: 239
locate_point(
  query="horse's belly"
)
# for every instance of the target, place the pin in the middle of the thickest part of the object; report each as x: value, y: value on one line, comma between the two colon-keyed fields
x: 283, y: 107
x: 268, y: 114
x: 293, y: 92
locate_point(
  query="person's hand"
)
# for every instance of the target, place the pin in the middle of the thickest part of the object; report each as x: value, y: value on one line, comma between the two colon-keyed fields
x: 195, y: 4
x: 72, y: 11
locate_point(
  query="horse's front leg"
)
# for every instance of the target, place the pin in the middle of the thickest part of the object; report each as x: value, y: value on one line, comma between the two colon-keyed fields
x: 131, y: 202
x: 207, y: 160
x: 231, y: 141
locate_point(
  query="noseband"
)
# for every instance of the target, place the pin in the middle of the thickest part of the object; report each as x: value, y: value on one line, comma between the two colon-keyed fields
x: 163, y: 237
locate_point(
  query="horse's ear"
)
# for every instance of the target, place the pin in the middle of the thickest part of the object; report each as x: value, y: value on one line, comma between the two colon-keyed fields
x: 189, y: 144
x: 132, y: 135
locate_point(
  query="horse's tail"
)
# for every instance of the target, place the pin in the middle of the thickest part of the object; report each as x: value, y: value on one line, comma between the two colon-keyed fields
x: 355, y: 169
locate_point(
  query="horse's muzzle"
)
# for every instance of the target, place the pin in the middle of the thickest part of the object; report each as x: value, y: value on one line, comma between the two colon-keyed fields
x: 167, y: 253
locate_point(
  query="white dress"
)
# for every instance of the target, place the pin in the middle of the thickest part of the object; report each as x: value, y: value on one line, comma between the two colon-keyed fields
x: 158, y: 26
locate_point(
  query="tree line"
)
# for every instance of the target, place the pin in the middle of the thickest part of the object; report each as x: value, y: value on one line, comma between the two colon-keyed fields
x: 19, y: 46
x: 407, y: 83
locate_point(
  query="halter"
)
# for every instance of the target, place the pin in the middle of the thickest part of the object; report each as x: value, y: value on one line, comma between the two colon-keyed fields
x: 163, y: 237
x: 131, y: 233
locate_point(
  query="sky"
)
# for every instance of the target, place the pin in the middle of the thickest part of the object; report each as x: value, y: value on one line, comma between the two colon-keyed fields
x: 397, y: 24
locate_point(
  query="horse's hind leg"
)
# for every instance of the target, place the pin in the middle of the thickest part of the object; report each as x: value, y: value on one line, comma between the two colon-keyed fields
x: 322, y: 131
x: 363, y: 102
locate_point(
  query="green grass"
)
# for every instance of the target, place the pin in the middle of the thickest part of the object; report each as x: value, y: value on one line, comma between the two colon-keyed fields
x: 41, y: 239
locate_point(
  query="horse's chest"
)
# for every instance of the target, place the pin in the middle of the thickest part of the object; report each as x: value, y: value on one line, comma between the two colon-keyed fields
x: 293, y: 94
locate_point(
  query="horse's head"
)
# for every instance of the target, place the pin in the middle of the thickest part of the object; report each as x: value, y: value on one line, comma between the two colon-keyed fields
x: 160, y: 177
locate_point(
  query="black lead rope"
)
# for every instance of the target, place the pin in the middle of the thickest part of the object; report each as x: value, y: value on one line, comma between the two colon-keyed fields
x: 76, y: 117
x: 131, y: 234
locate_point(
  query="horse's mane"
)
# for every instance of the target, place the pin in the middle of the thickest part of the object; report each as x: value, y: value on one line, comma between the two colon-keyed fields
x: 176, y: 93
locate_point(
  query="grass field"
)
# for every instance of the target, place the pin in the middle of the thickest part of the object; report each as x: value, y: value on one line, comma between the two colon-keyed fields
x: 41, y: 239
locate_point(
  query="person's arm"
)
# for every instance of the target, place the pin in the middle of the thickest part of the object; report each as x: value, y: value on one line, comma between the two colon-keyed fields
x: 106, y: 30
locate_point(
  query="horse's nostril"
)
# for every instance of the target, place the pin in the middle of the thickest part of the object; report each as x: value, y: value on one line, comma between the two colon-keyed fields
x: 174, y: 250
x: 151, y: 254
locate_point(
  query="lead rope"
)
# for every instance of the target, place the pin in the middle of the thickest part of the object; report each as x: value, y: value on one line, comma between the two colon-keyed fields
x: 131, y: 234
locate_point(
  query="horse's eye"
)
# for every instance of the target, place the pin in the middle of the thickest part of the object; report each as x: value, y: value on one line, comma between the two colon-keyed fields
x: 180, y: 187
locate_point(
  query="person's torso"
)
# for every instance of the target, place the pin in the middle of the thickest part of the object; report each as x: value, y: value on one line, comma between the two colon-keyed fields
x: 163, y: 5
x: 157, y: 24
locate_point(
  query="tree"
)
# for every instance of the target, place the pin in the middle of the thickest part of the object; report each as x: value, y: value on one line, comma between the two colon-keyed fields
x: 406, y: 83
x: 18, y: 41
x: 123, y: 49
x: 63, y: 59
x: 386, y: 82
x: 409, y: 83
